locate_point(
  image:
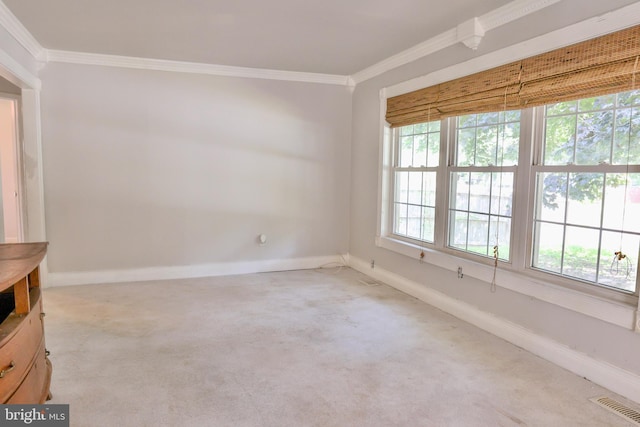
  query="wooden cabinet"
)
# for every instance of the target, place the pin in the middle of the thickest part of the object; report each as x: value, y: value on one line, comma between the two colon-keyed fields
x: 25, y: 370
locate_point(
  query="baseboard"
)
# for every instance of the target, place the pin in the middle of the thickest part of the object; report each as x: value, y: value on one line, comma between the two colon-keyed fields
x: 188, y: 271
x: 616, y: 379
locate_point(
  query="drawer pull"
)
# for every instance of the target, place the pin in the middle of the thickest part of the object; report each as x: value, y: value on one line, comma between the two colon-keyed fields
x: 42, y: 315
x: 11, y: 367
x: 47, y: 352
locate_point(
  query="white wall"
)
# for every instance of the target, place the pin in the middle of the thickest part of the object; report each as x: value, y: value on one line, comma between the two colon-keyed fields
x: 147, y: 168
x: 587, y: 335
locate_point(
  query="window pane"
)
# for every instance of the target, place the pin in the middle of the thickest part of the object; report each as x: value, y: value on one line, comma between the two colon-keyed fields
x: 458, y: 229
x: 428, y: 221
x: 433, y: 153
x: 487, y: 118
x: 626, y: 149
x: 402, y: 187
x: 622, y: 146
x: 419, y: 151
x: 415, y: 187
x: 500, y: 235
x: 400, y: 219
x: 429, y: 189
x: 597, y: 103
x: 480, y: 192
x: 559, y: 140
x: 627, y: 99
x: 466, y: 147
x: 406, y: 130
x: 510, y: 116
x: 547, y: 252
x: 467, y: 121
x: 593, y: 137
x: 501, y: 193
x: 508, y: 138
x: 406, y: 151
x: 419, y: 145
x: 476, y: 200
x: 478, y: 234
x: 460, y: 190
x: 585, y: 199
x: 420, y: 128
x: 615, y: 272
x: 562, y: 108
x: 488, y: 139
x: 595, y: 132
x: 622, y: 203
x: 414, y: 221
x: 414, y: 191
x: 581, y: 253
x: 552, y: 196
x: 486, y: 145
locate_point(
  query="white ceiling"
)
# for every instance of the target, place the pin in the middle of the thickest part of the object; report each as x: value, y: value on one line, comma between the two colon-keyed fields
x: 339, y: 37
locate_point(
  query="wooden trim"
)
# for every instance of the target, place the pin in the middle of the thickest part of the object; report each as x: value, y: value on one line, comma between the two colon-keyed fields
x: 34, y: 278
x: 21, y: 295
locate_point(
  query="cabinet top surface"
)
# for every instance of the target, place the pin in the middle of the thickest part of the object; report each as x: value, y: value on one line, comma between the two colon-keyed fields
x: 19, y: 259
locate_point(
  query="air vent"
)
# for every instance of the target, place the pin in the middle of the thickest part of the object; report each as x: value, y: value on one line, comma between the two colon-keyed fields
x: 618, y: 408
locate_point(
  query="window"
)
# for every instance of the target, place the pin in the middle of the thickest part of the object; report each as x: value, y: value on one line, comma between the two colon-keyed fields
x: 588, y: 191
x: 579, y: 172
x: 557, y: 191
x: 482, y: 179
x: 417, y: 157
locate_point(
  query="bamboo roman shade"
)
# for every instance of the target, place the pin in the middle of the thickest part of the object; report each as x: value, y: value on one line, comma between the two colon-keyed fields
x: 598, y: 66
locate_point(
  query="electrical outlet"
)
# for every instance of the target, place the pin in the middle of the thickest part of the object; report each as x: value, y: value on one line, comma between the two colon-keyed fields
x: 460, y: 275
x: 373, y: 263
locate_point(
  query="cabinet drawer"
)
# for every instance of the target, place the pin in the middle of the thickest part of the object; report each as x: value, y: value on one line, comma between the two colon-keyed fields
x: 18, y: 349
x: 35, y: 387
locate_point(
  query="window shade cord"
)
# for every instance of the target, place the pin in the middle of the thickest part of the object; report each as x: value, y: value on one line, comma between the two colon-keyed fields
x: 620, y: 255
x: 496, y: 248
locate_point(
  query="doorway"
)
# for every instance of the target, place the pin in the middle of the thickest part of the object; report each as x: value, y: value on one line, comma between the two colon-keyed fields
x: 11, y: 230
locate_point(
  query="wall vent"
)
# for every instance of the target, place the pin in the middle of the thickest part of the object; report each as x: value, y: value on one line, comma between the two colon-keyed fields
x: 618, y: 408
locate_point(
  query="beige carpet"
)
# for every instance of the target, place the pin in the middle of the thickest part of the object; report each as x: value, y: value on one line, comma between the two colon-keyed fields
x: 300, y: 348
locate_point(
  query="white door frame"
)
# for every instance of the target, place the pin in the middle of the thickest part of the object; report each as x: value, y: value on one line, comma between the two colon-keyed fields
x: 33, y: 221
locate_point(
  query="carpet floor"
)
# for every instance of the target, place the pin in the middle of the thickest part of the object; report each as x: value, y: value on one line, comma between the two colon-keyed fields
x: 301, y: 348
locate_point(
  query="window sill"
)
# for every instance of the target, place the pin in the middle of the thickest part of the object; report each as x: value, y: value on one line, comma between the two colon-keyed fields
x: 615, y: 312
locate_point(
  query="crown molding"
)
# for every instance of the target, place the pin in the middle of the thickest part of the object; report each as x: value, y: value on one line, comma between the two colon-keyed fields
x: 434, y: 44
x: 10, y: 23
x: 13, y: 71
x: 512, y: 11
x: 491, y: 20
x: 625, y: 17
x: 503, y: 15
x: 192, y: 67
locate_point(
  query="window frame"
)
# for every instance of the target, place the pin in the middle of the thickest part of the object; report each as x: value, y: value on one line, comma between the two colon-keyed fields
x: 538, y: 166
x: 452, y: 167
x: 525, y: 279
x: 395, y: 167
x: 596, y: 304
